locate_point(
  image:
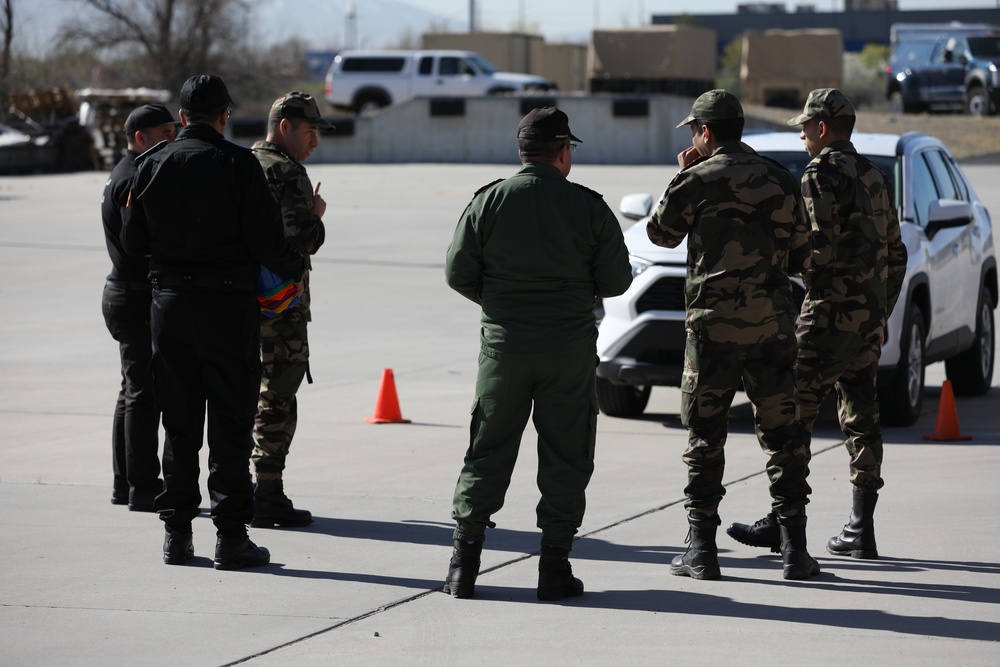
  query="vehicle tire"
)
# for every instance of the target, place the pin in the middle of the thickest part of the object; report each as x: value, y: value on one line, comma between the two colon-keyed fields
x: 902, y: 400
x: 367, y: 105
x: 977, y: 103
x: 897, y: 103
x: 621, y: 400
x: 971, y: 372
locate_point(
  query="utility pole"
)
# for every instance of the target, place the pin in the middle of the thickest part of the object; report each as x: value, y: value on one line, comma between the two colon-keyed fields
x: 351, y: 25
x: 472, y: 15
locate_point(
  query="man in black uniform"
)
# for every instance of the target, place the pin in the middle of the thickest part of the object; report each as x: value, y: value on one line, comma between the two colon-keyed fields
x: 201, y: 208
x: 125, y: 304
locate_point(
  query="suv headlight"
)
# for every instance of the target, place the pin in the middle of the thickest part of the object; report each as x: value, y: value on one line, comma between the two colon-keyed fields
x: 638, y: 264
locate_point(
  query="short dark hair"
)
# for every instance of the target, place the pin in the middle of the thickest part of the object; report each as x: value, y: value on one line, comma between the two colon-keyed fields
x: 840, y: 125
x: 203, y: 116
x: 533, y: 150
x: 273, y: 122
x: 729, y: 129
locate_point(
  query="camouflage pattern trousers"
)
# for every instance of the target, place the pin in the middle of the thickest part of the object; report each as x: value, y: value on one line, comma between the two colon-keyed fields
x: 284, y: 356
x: 712, y: 374
x: 847, y: 361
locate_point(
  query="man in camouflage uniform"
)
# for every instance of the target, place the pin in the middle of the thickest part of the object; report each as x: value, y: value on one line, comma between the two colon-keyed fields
x: 858, y: 265
x: 746, y: 233
x: 293, y: 125
x: 534, y: 251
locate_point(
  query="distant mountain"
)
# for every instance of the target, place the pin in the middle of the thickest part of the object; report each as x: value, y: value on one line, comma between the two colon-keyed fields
x: 321, y: 24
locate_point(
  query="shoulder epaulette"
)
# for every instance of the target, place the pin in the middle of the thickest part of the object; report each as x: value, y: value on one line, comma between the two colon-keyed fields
x: 593, y: 193
x: 487, y: 186
x: 158, y: 147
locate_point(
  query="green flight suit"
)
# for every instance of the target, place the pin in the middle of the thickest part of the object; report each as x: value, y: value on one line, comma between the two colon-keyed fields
x: 534, y: 251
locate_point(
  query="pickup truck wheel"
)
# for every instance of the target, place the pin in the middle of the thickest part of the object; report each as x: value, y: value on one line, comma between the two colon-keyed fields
x: 369, y: 104
x: 976, y: 102
x: 902, y: 400
x: 897, y: 103
x: 971, y: 372
x: 621, y: 400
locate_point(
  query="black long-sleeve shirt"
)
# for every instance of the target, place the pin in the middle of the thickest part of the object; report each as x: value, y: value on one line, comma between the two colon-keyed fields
x: 124, y: 267
x: 201, y: 206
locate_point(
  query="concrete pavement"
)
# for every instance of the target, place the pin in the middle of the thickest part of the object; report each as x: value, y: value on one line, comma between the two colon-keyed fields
x: 83, y: 583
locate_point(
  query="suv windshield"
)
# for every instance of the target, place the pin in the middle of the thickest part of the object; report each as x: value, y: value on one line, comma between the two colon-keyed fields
x: 796, y: 161
x: 988, y: 47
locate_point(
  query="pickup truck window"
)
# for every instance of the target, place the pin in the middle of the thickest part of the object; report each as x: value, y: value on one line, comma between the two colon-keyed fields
x: 426, y: 66
x: 455, y: 67
x: 390, y: 64
x: 985, y: 47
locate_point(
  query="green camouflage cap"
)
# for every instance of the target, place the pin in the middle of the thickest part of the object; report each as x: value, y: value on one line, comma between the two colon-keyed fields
x: 824, y: 103
x: 714, y: 105
x: 298, y: 106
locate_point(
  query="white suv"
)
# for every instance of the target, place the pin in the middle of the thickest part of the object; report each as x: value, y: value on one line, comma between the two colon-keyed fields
x: 944, y: 311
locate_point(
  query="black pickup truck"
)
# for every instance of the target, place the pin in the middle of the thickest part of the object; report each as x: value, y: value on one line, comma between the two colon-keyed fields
x: 953, y: 72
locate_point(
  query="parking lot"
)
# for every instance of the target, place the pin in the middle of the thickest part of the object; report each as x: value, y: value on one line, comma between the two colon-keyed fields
x: 83, y: 582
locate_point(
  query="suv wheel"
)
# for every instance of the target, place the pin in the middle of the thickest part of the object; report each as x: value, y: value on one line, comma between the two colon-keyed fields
x: 976, y: 102
x: 621, y: 400
x: 971, y: 372
x: 901, y: 401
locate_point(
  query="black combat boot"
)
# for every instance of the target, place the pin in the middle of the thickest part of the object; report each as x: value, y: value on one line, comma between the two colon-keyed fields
x: 555, y: 576
x: 177, y: 547
x: 857, y: 540
x: 463, y: 569
x: 271, y: 507
x: 235, y: 551
x: 701, y: 560
x: 797, y: 561
x: 763, y: 533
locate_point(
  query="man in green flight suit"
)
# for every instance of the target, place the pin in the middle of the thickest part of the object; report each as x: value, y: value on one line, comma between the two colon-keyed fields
x: 534, y: 251
x: 746, y: 233
x: 293, y: 125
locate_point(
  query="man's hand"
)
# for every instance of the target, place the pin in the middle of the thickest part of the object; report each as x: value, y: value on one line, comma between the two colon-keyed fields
x: 319, y: 204
x: 687, y: 156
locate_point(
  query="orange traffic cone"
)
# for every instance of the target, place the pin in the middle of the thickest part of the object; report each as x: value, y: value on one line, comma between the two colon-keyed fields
x: 946, y: 429
x: 387, y: 405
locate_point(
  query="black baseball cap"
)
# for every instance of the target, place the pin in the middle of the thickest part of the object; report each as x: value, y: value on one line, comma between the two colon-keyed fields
x: 545, y: 124
x: 205, y: 93
x: 147, y: 116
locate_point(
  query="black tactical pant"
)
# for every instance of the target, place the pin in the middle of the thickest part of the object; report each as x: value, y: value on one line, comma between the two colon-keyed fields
x: 206, y: 348
x: 559, y: 392
x: 134, y: 437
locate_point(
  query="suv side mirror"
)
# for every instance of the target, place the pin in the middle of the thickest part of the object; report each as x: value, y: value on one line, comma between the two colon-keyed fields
x: 636, y: 206
x: 946, y: 214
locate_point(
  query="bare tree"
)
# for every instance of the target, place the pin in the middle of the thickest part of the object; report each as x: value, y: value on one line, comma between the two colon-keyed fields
x: 166, y: 40
x: 7, y: 26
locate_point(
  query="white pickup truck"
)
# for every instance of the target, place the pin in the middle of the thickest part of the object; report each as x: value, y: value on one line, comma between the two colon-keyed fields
x: 365, y: 81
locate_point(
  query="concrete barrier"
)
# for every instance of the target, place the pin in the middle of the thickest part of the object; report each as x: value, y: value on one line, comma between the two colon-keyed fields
x: 481, y: 130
